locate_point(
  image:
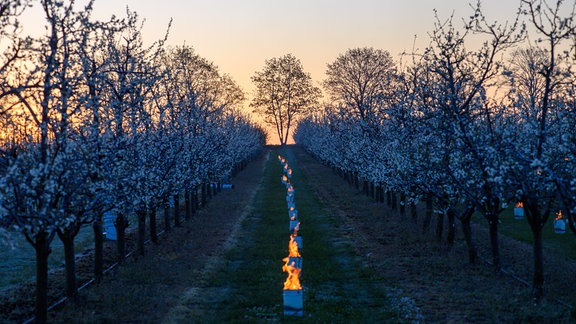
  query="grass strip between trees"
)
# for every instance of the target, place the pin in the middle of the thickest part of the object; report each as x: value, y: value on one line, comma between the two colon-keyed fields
x: 336, y: 287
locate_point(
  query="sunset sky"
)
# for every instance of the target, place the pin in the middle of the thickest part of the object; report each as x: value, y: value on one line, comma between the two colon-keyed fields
x: 239, y: 35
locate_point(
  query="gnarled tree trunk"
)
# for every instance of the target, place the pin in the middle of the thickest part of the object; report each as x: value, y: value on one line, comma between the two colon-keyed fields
x: 153, y: 226
x: 467, y: 232
x: 451, y: 216
x: 41, y: 244
x: 176, y: 210
x: 166, y: 206
x: 428, y: 213
x: 537, y: 219
x: 121, y: 223
x: 141, y: 237
x: 98, y: 248
x: 67, y: 237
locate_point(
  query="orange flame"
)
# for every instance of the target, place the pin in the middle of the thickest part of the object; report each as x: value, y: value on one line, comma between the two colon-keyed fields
x: 558, y: 215
x: 293, y: 247
x: 293, y: 280
x: 519, y: 205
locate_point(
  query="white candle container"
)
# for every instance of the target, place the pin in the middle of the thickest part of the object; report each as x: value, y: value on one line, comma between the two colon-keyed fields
x: 109, y: 228
x: 293, y: 302
x: 518, y: 213
x: 293, y: 214
x: 559, y: 226
x: 293, y: 224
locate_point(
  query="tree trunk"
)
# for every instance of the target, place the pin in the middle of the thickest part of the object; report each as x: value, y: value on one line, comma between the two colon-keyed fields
x: 451, y: 214
x: 491, y: 212
x: 196, y: 200
x: 467, y: 232
x: 493, y: 225
x: 67, y: 238
x: 193, y: 201
x: 414, y: 212
x: 176, y: 210
x: 536, y: 219
x: 439, y: 227
x: 394, y: 202
x: 428, y: 214
x: 42, y: 247
x: 402, y: 204
x: 98, y: 248
x: 141, y: 213
x: 153, y: 226
x: 209, y: 188
x: 166, y: 206
x: 204, y: 194
x: 121, y: 223
x: 187, y: 203
x: 389, y: 198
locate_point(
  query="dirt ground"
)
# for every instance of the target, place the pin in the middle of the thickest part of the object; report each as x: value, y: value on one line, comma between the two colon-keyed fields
x: 437, y: 283
x: 427, y: 282
x: 188, y: 250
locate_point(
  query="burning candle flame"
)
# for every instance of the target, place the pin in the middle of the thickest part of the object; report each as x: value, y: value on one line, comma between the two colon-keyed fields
x: 558, y: 215
x: 519, y: 205
x: 293, y: 248
x: 293, y: 280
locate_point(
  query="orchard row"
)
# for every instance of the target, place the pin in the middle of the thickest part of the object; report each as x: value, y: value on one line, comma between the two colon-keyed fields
x: 93, y: 121
x: 466, y: 130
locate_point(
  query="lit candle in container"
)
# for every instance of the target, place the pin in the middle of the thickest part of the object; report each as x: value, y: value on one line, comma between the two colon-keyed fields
x: 559, y: 223
x: 519, y: 210
x: 292, y: 294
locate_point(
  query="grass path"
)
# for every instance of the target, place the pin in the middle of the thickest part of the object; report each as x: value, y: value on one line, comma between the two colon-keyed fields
x: 248, y: 284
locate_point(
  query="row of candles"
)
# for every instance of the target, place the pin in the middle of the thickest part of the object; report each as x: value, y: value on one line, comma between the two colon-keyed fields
x: 559, y: 221
x: 292, y: 293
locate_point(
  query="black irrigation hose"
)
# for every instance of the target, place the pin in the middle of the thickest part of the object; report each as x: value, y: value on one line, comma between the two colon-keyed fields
x: 89, y: 282
x: 525, y: 282
x: 63, y: 300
